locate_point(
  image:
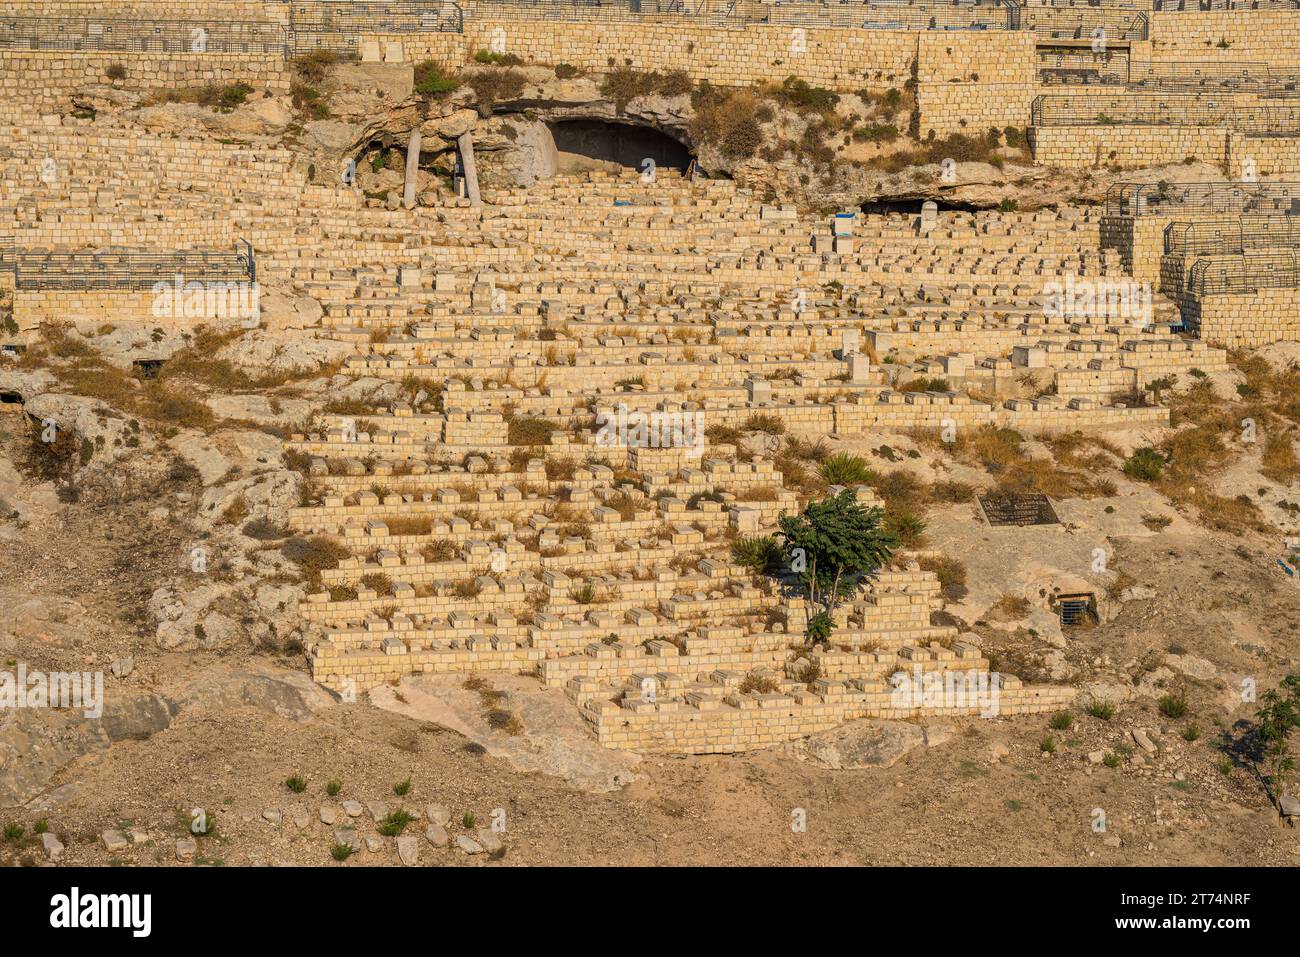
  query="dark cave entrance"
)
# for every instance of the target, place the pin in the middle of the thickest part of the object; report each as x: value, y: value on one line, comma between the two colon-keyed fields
x: 912, y: 207
x: 619, y: 143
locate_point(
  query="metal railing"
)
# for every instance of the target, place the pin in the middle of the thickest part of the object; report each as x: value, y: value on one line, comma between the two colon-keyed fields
x: 1232, y: 237
x: 986, y: 15
x: 1232, y: 199
x: 130, y: 269
x: 1245, y: 274
x: 1085, y: 24
x: 1190, y: 76
x: 604, y: 11
x: 1210, y: 6
x: 312, y: 25
x: 1246, y: 76
x: 140, y: 36
x: 338, y: 26
x: 1277, y: 117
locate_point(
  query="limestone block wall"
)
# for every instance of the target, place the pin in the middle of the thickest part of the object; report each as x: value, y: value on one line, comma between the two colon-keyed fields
x: 89, y: 310
x: 966, y: 82
x: 1140, y: 242
x: 227, y: 10
x: 840, y: 59
x: 708, y: 725
x: 1078, y: 147
x: 46, y: 78
x: 1265, y: 35
x: 1246, y: 319
x: 1272, y: 156
x: 974, y: 82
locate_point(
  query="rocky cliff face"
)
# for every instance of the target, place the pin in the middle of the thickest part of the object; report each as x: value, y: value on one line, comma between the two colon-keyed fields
x: 824, y: 158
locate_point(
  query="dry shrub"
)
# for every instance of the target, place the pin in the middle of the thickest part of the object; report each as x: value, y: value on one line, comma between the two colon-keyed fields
x: 495, y: 86
x: 1279, y: 460
x: 415, y: 525
x: 1008, y: 608
x: 951, y: 574
x: 727, y: 120
x: 759, y: 682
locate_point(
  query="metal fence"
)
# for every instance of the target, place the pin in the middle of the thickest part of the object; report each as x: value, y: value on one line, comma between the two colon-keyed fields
x: 1244, y: 274
x: 607, y: 11
x: 1085, y: 24
x: 987, y: 15
x: 130, y: 269
x: 1232, y: 199
x: 140, y: 36
x: 1277, y: 117
x: 1190, y: 76
x: 1206, y: 6
x: 339, y: 26
x: 1233, y: 237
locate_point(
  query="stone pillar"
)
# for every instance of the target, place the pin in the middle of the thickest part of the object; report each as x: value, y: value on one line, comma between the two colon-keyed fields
x: 466, y: 145
x: 412, y: 170
x: 929, y: 216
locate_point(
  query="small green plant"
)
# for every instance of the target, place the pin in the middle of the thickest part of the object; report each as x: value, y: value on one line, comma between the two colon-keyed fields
x: 42, y: 826
x: 341, y: 852
x: 334, y: 787
x: 820, y: 627
x: 761, y: 553
x: 394, y: 823
x: 583, y: 595
x: 1110, y: 759
x: 13, y: 832
x: 1224, y: 765
x: 842, y: 468
x: 1192, y: 732
x: 431, y: 79
x: 1101, y: 710
x: 1047, y: 745
x: 1061, y: 721
x: 467, y: 820
x: 1173, y: 705
x: 1145, y: 464
x: 1279, y: 716
x: 296, y: 784
x: 1013, y: 805
x: 402, y: 788
x: 496, y: 59
x: 233, y: 95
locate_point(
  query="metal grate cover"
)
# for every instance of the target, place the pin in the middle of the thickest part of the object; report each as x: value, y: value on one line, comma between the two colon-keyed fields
x: 1028, y: 509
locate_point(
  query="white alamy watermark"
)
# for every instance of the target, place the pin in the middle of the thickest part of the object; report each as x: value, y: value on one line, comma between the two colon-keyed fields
x: 946, y: 690
x: 1110, y: 299
x: 53, y: 689
x: 208, y: 299
x: 651, y: 430
x: 75, y: 910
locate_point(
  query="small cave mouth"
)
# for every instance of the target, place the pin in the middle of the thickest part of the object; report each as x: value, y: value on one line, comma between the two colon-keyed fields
x: 912, y: 207
x: 147, y: 368
x: 588, y: 144
x: 10, y: 401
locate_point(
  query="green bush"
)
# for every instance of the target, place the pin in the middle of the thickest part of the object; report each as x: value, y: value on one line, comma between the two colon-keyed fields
x: 845, y: 469
x: 1145, y: 464
x: 762, y: 553
x: 431, y: 79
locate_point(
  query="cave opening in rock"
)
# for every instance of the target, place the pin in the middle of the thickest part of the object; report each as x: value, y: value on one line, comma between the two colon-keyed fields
x: 590, y: 144
x: 912, y: 207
